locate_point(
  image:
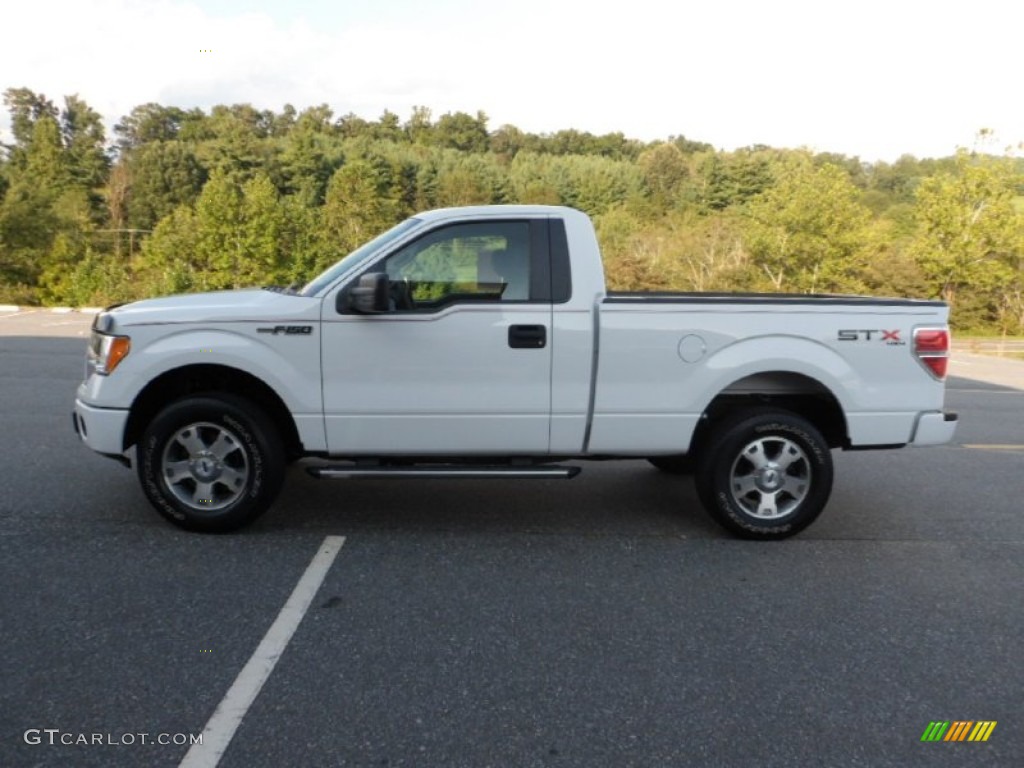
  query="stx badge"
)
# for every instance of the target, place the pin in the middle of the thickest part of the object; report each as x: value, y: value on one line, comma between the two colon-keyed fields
x: 890, y: 338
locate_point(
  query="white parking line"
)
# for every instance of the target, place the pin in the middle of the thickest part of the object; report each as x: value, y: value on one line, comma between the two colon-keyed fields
x: 236, y: 702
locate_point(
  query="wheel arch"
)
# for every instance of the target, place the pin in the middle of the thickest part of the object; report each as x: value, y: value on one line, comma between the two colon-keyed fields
x: 210, y: 379
x: 799, y: 393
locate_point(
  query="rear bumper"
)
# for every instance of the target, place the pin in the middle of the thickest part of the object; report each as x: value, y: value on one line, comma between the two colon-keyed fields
x: 102, y: 429
x: 934, y: 428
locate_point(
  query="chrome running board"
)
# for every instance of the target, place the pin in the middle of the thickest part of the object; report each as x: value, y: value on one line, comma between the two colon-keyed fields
x: 446, y: 471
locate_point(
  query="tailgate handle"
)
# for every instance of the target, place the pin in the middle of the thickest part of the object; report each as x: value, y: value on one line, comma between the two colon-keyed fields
x: 527, y: 336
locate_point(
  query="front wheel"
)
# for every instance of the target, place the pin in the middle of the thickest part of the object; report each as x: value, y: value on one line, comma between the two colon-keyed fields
x: 766, y: 474
x: 211, y: 463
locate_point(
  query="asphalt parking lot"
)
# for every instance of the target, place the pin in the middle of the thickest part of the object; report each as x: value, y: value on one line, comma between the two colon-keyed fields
x: 599, y: 622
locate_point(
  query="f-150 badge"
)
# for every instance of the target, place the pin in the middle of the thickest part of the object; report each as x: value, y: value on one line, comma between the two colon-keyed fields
x: 288, y: 330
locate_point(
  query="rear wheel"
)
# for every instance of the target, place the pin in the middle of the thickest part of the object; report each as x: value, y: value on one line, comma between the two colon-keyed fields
x: 211, y: 463
x: 765, y: 474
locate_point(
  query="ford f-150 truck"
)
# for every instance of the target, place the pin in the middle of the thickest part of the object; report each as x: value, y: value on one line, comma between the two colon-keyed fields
x: 481, y: 342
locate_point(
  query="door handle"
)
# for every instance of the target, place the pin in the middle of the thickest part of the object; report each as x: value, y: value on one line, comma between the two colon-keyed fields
x: 527, y: 336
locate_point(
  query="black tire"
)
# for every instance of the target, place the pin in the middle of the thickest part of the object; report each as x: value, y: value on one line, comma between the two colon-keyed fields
x: 673, y: 465
x: 229, y: 473
x: 780, y: 460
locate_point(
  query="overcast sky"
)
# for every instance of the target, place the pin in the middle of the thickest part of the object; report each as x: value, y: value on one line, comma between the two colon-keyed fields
x: 874, y: 78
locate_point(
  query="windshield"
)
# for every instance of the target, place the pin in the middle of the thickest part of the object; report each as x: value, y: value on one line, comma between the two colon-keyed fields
x: 332, y: 273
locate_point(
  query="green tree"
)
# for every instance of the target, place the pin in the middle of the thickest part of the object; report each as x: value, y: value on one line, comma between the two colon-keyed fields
x: 316, y: 120
x: 598, y: 183
x: 28, y: 219
x: 690, y: 147
x: 170, y: 261
x: 55, y: 280
x: 419, y: 127
x: 462, y: 131
x: 357, y: 208
x: 506, y: 142
x: 45, y: 162
x: 195, y: 126
x: 540, y: 179
x: 665, y: 169
x: 900, y: 179
x: 352, y: 126
x: 891, y: 269
x: 162, y: 175
x: 219, y: 246
x: 300, y: 241
x: 237, y: 147
x: 27, y: 227
x: 970, y: 235
x: 84, y: 144
x: 809, y: 233
x: 734, y: 178
x: 389, y: 128
x: 309, y: 157
x: 262, y: 253
x: 26, y: 108
x: 680, y: 251
x: 469, y: 180
x: 283, y: 122
x: 148, y: 123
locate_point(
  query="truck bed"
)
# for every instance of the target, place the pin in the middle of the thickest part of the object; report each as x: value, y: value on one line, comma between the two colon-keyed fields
x: 664, y: 356
x: 670, y: 297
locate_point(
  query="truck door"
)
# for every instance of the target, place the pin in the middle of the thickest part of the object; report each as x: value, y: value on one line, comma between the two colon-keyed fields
x: 461, y: 362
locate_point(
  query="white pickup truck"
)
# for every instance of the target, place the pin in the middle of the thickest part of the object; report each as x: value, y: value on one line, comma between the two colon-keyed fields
x: 481, y: 343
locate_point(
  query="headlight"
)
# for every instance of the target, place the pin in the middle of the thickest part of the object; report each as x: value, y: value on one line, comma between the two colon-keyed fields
x: 106, y: 352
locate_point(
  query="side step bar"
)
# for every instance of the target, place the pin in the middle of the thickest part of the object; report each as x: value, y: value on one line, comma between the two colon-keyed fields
x: 447, y: 471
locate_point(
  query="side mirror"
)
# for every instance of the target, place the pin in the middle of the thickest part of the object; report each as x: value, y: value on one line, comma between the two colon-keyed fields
x: 369, y: 296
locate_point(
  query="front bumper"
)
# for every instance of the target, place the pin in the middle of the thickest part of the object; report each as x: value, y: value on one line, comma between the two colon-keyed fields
x: 934, y: 428
x: 102, y: 429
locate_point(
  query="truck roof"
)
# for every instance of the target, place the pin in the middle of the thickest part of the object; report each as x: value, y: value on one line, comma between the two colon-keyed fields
x: 497, y: 210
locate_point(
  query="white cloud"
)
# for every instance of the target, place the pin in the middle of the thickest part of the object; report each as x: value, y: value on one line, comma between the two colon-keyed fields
x: 871, y: 78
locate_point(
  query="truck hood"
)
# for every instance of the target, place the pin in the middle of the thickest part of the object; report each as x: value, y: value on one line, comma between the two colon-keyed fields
x: 216, y: 307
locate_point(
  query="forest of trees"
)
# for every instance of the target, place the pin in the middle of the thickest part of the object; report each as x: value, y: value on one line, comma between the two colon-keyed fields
x: 184, y: 200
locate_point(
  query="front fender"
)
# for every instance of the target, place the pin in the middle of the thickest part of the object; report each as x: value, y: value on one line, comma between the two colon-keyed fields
x: 288, y: 365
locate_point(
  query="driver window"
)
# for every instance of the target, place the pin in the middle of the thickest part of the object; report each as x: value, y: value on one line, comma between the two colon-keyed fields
x: 479, y: 262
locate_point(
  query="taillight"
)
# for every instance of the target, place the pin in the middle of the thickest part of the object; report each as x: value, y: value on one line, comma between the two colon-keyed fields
x: 931, y: 347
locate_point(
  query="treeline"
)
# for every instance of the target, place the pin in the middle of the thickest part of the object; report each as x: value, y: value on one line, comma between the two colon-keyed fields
x: 185, y: 200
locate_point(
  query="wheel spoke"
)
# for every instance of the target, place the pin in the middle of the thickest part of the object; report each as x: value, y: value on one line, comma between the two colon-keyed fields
x: 795, y: 486
x: 223, y: 445
x: 232, y: 479
x: 743, y: 485
x: 203, y: 494
x: 767, y: 506
x: 754, y: 453
x: 176, y: 471
x: 189, y: 439
x: 789, y: 454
